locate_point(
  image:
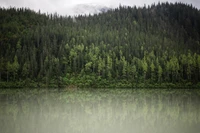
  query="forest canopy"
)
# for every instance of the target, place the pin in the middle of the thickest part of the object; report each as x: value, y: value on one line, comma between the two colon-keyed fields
x: 157, y: 45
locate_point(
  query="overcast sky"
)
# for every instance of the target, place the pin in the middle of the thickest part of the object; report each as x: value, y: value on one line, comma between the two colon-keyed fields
x: 64, y: 7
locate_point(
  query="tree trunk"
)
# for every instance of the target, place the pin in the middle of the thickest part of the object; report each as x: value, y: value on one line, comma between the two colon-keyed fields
x: 7, y: 75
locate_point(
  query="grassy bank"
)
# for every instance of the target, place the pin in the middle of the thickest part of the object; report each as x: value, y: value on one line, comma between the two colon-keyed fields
x: 94, y: 82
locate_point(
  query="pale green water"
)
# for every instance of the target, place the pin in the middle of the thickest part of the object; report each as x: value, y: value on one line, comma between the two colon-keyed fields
x: 100, y: 111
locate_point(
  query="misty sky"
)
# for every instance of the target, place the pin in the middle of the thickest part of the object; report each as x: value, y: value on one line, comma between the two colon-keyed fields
x: 64, y: 7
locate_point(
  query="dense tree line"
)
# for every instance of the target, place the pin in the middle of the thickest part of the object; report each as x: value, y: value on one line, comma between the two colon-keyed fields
x: 133, y: 45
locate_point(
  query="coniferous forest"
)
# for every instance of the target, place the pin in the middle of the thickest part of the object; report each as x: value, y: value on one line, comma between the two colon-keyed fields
x: 150, y: 46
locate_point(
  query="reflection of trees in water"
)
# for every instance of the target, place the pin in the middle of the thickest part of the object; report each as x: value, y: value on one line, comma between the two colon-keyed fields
x: 109, y: 111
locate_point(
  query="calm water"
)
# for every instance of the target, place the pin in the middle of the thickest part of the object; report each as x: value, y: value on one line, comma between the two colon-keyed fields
x: 99, y: 111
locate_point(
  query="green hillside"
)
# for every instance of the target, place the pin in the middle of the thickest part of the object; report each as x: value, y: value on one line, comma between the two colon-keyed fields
x: 154, y: 46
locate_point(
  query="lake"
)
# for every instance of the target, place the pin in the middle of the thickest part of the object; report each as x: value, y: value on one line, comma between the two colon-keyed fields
x: 99, y: 111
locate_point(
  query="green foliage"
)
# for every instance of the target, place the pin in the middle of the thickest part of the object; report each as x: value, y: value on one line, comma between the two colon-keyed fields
x: 131, y: 49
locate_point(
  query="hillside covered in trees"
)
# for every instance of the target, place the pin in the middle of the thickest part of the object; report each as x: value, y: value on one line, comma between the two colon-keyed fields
x: 150, y: 46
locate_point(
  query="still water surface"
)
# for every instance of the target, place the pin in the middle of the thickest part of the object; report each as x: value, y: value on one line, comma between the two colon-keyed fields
x: 99, y: 111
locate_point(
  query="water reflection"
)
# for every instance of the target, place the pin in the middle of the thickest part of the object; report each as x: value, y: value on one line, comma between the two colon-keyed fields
x: 100, y: 111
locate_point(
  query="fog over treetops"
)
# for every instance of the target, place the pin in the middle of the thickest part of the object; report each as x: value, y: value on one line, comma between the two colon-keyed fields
x: 69, y: 7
